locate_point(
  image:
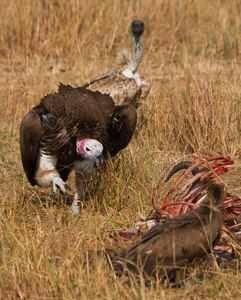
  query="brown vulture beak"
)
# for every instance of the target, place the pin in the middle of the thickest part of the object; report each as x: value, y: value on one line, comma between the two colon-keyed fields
x: 99, y: 162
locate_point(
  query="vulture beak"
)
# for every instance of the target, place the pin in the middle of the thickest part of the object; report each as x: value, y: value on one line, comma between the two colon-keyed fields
x: 99, y: 162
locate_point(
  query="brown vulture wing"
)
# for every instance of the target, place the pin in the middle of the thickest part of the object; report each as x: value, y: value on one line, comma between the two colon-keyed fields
x: 30, y: 132
x: 99, y: 80
x: 122, y: 128
x: 175, y: 242
x: 174, y: 248
x: 123, y: 90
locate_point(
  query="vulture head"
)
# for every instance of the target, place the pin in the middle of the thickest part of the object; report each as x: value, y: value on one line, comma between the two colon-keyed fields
x: 137, y: 28
x: 91, y: 150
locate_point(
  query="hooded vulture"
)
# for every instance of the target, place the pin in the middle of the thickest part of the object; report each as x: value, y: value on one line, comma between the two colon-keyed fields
x: 123, y: 83
x: 171, y: 244
x: 68, y: 132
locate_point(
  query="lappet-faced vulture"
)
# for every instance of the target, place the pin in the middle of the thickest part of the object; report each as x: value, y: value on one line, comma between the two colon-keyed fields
x: 68, y: 132
x: 171, y: 244
x: 123, y: 83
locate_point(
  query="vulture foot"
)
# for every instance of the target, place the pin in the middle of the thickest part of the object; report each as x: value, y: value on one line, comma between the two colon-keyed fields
x: 59, y: 183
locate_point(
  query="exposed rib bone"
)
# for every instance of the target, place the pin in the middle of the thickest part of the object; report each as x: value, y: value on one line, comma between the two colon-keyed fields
x: 211, y: 168
x: 185, y: 173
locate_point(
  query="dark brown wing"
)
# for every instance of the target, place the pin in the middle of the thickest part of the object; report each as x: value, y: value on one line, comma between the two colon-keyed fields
x: 121, y: 128
x: 175, y: 242
x: 169, y: 249
x: 30, y: 132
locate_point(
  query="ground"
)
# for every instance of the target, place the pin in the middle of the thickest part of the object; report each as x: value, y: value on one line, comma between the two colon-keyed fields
x: 192, y: 57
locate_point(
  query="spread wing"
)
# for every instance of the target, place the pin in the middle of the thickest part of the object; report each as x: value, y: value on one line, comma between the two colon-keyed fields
x: 30, y: 132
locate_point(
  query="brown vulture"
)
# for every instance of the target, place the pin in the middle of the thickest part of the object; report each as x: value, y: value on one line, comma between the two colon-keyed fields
x: 171, y: 244
x: 65, y: 135
x: 123, y: 83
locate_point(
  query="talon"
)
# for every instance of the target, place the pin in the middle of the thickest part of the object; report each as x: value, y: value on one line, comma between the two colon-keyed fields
x: 58, y: 183
x: 67, y: 187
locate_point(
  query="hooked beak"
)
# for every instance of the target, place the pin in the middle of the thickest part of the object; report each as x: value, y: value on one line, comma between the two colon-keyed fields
x: 99, y: 162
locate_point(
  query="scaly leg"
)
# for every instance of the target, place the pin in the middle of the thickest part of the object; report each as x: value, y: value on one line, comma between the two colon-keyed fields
x: 47, y: 174
x: 78, y: 180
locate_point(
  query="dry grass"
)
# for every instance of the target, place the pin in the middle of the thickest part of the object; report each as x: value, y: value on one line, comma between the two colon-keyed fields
x: 193, y: 59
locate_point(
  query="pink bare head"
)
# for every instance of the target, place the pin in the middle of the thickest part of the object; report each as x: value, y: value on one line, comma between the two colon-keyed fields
x: 90, y: 149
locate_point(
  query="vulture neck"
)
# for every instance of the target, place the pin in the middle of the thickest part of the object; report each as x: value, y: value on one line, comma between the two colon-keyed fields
x: 136, y: 58
x: 137, y: 52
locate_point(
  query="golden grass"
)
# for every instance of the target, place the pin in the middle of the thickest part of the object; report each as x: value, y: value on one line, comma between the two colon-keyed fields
x: 193, y: 60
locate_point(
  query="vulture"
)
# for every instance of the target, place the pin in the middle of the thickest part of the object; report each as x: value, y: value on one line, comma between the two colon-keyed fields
x: 68, y: 133
x: 123, y: 83
x: 170, y: 245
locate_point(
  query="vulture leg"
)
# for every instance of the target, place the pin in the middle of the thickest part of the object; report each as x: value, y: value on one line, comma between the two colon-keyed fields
x: 47, y: 174
x: 74, y: 206
x: 78, y: 180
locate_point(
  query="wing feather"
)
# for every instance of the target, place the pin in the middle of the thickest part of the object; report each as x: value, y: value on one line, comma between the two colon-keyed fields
x: 30, y: 132
x: 175, y: 242
x: 123, y: 90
